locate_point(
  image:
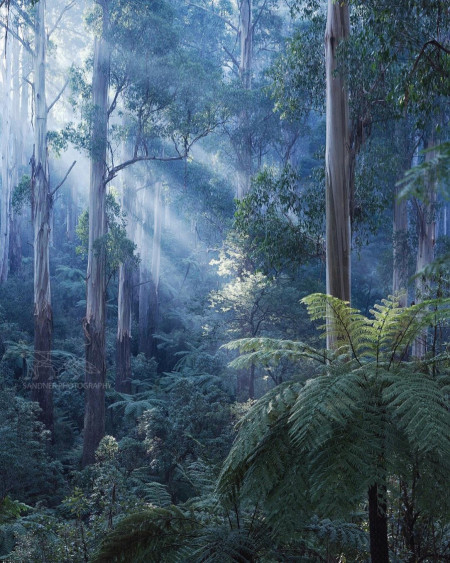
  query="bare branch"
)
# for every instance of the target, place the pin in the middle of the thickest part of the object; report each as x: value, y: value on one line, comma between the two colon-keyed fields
x: 232, y: 57
x: 422, y: 53
x: 116, y: 169
x: 65, y: 9
x: 256, y: 20
x: 233, y: 27
x: 16, y: 36
x: 52, y: 193
x: 112, y: 107
x: 58, y: 96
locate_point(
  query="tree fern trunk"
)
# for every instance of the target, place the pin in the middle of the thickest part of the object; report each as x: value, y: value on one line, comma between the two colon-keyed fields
x: 379, y: 549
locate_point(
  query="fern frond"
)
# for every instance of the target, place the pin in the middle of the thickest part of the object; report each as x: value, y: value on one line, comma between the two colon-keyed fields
x: 397, y: 327
x: 341, y: 534
x: 345, y: 325
x: 420, y: 409
x: 323, y: 403
x: 270, y: 351
x: 156, y: 494
x: 151, y: 536
x: 255, y: 431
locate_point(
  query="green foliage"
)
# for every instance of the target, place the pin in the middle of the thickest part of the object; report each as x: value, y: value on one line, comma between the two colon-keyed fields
x: 316, y: 446
x: 434, y: 171
x: 117, y: 246
x: 22, y: 194
x: 26, y: 470
x: 277, y: 223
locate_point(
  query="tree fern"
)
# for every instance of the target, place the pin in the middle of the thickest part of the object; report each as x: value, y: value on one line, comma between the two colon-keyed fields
x: 346, y: 429
x: 152, y: 535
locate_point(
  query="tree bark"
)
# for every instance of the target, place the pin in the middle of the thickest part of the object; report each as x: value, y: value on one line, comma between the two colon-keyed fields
x: 125, y: 299
x: 7, y: 154
x: 245, y: 75
x: 94, y: 322
x: 155, y: 268
x: 379, y: 549
x: 337, y: 160
x: 123, y: 353
x: 400, y: 248
x: 426, y: 232
x: 144, y: 274
x: 42, y: 390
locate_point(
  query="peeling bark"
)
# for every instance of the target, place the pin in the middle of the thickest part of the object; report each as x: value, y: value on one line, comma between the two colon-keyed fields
x: 94, y: 322
x: 426, y: 232
x: 7, y: 156
x: 42, y: 391
x: 123, y: 354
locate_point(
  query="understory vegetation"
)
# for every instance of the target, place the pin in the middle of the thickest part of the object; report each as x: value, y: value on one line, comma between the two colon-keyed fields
x: 224, y: 281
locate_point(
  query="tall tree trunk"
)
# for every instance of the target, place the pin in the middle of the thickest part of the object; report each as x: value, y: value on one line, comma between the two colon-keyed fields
x: 144, y: 275
x: 125, y: 303
x: 337, y: 159
x: 400, y: 248
x: 123, y: 353
x: 245, y: 74
x: 7, y: 150
x: 155, y: 269
x: 15, y: 247
x: 426, y: 231
x: 94, y: 322
x: 42, y: 391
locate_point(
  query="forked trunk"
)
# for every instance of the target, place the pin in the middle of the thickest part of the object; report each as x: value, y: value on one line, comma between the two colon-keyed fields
x: 42, y: 390
x: 94, y: 322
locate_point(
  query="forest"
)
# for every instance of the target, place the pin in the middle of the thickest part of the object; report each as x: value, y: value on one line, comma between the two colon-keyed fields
x: 225, y: 281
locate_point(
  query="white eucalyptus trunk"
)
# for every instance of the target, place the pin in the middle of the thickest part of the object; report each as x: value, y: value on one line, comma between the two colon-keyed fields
x: 125, y: 301
x: 426, y: 234
x: 7, y: 149
x: 245, y: 74
x: 337, y: 159
x: 94, y: 322
x: 42, y: 391
x: 144, y: 246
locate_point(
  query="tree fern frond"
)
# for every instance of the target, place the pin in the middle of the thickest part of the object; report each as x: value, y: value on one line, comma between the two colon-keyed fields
x: 223, y: 545
x: 323, y: 403
x: 343, y: 323
x: 254, y: 428
x: 270, y: 351
x: 152, y: 535
x: 156, y: 494
x: 419, y: 407
x: 341, y: 534
x: 397, y: 327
